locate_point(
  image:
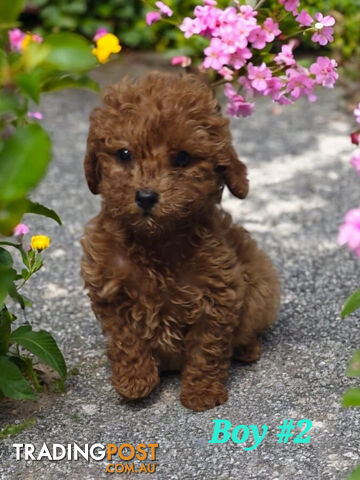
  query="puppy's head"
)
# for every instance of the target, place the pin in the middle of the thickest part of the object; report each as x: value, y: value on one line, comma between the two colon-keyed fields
x: 159, y: 152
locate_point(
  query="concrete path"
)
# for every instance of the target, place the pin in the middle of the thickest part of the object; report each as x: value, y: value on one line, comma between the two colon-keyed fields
x: 301, y: 187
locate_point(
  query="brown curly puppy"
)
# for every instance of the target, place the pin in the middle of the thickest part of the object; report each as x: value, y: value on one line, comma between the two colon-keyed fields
x: 175, y: 285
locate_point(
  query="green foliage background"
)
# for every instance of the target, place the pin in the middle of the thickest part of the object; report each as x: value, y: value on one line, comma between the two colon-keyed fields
x: 125, y: 18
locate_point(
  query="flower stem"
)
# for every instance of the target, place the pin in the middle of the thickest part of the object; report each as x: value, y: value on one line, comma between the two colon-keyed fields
x: 219, y: 82
x: 258, y: 5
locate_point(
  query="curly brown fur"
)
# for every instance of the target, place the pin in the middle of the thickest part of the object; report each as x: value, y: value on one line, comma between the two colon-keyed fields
x: 177, y: 287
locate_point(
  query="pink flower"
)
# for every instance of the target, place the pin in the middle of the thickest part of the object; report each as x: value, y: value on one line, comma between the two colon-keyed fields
x: 271, y: 29
x: 19, y: 41
x: 100, y: 32
x: 164, y: 9
x: 259, y: 76
x: 21, y: 229
x: 243, y: 28
x: 304, y: 19
x: 355, y: 137
x: 231, y: 39
x: 216, y: 55
x: 325, y: 72
x: 208, y: 19
x: 190, y: 27
x: 274, y: 88
x: 228, y: 16
x: 245, y: 83
x: 324, y: 31
x: 182, y: 61
x: 152, y: 17
x: 37, y: 115
x: 237, y: 105
x: 16, y: 37
x: 240, y: 57
x: 349, y: 232
x: 290, y: 5
x: 210, y: 3
x: 248, y: 13
x: 357, y: 113
x: 282, y: 99
x: 258, y: 38
x: 299, y: 83
x: 286, y: 56
x: 355, y: 161
x: 227, y: 73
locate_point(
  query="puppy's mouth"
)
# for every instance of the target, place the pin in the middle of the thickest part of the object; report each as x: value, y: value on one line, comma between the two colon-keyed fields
x: 147, y: 214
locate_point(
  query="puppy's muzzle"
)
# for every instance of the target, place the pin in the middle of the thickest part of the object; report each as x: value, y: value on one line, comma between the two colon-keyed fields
x: 146, y: 199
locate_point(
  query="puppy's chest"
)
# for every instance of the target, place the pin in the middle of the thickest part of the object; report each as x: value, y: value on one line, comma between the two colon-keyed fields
x: 160, y: 301
x: 171, y: 295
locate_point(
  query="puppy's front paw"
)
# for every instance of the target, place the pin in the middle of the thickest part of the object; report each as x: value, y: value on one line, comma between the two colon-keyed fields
x: 202, y: 396
x: 133, y: 387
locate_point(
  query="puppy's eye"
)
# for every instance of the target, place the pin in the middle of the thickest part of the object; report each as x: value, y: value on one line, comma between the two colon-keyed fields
x: 123, y: 155
x: 181, y: 159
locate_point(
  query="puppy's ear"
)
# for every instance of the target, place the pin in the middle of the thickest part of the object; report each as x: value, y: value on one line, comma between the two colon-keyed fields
x: 234, y: 173
x: 91, y: 168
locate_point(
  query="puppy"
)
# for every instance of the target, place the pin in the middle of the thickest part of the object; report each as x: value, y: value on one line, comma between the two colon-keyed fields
x: 175, y: 285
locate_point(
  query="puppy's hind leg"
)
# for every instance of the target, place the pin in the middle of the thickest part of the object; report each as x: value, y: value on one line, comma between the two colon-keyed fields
x: 249, y: 352
x: 261, y: 303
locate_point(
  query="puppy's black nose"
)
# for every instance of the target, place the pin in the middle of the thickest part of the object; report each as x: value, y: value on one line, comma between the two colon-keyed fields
x: 146, y: 199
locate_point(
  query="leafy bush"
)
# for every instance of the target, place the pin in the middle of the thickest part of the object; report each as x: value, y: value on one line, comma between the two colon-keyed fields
x: 29, y: 66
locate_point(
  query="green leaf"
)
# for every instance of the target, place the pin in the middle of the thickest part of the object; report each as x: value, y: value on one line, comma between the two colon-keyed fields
x: 38, y: 263
x: 353, y: 369
x: 15, y: 295
x: 355, y: 475
x: 351, y: 304
x: 5, y: 329
x: 8, y: 102
x: 12, y: 383
x: 7, y: 274
x: 34, y: 56
x: 23, y: 252
x: 76, y: 7
x: 351, y: 398
x: 5, y: 258
x: 29, y: 84
x: 7, y: 277
x: 69, y: 52
x: 11, y: 214
x: 69, y: 81
x: 10, y: 10
x: 23, y: 162
x: 39, y: 209
x: 42, y: 345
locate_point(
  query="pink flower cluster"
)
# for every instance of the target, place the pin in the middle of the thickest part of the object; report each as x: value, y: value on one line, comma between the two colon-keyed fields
x: 236, y: 39
x: 349, y: 232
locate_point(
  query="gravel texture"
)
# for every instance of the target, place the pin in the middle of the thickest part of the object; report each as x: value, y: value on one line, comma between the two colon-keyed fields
x: 301, y: 187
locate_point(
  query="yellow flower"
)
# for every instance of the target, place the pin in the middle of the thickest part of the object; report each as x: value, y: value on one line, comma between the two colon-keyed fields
x: 105, y: 46
x: 40, y: 242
